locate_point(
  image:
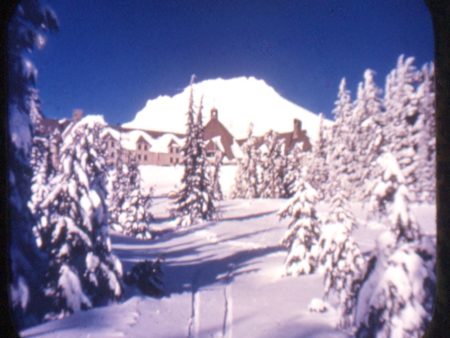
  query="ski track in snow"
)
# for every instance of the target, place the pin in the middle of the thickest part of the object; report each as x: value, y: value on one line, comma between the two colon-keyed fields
x: 228, y: 305
x: 194, y: 320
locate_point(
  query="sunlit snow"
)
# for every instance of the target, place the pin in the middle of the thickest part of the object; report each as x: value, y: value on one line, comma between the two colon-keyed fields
x: 240, y: 101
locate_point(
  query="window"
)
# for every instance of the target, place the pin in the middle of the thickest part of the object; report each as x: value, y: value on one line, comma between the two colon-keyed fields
x: 112, y: 143
x: 146, y: 148
x: 112, y: 155
x: 171, y: 160
x: 139, y: 157
x: 145, y: 157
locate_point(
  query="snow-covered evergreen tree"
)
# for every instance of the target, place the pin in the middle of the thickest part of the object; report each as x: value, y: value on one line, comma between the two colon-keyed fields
x: 396, y: 298
x: 72, y: 226
x: 368, y: 133
x: 340, y: 211
x: 402, y: 112
x: 294, y: 164
x: 302, y: 236
x: 341, y: 259
x: 317, y: 168
x: 426, y: 125
x: 343, y: 265
x: 26, y: 32
x: 128, y: 203
x: 247, y: 181
x: 131, y: 212
x: 391, y: 196
x: 273, y: 170
x: 194, y: 201
x: 214, y: 174
x: 341, y: 149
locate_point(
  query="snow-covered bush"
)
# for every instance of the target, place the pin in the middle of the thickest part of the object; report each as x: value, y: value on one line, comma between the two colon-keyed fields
x: 194, y: 201
x: 147, y: 276
x: 317, y: 305
x: 72, y: 225
x: 26, y: 33
x: 396, y: 298
x: 302, y: 236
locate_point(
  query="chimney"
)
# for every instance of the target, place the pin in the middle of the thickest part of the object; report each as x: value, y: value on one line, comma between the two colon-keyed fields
x: 214, y: 114
x: 297, y: 128
x: 77, y: 114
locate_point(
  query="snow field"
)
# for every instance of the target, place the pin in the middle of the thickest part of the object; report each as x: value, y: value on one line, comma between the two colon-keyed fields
x: 223, y: 278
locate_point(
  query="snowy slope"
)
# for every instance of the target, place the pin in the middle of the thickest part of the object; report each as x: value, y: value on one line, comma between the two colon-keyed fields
x: 239, y: 101
x: 223, y: 279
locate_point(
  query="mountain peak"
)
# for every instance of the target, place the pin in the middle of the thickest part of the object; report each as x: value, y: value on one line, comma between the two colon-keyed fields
x: 239, y: 102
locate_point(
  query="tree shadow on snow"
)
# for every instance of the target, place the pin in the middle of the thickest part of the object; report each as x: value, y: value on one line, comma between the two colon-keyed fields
x: 249, y: 216
x: 181, y: 278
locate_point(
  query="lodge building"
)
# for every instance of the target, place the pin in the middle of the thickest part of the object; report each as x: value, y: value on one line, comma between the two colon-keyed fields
x: 164, y: 148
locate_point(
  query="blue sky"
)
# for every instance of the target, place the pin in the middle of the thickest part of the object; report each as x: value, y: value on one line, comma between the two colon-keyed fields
x: 111, y: 56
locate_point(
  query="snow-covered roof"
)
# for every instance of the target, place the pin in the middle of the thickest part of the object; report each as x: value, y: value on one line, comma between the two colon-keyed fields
x: 161, y: 144
x: 129, y: 139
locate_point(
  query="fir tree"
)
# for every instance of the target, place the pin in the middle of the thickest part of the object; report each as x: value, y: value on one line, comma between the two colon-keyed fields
x: 272, y: 167
x: 26, y: 33
x: 341, y: 152
x: 402, y: 113
x: 426, y: 125
x: 391, y: 197
x: 72, y: 226
x: 341, y: 259
x: 302, y: 236
x: 194, y: 201
x: 247, y: 181
x: 294, y: 164
x: 214, y: 174
x: 128, y: 204
x: 317, y: 168
x: 368, y: 134
x: 396, y: 297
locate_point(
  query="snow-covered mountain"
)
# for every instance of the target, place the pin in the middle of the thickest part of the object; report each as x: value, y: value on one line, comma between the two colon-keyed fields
x: 240, y: 101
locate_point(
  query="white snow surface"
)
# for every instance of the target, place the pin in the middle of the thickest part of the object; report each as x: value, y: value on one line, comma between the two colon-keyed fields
x: 222, y: 278
x: 239, y: 101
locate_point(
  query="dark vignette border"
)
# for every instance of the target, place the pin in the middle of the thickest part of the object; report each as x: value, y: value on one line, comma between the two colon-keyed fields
x: 440, y: 324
